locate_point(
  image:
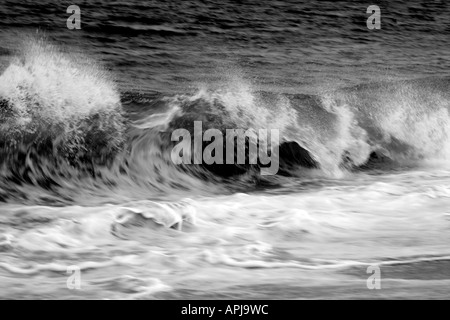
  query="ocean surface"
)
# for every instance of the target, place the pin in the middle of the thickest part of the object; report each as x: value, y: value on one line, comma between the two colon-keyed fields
x: 92, y: 206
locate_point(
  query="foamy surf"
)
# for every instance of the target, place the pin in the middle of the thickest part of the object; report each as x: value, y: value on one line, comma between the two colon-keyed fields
x: 229, y: 243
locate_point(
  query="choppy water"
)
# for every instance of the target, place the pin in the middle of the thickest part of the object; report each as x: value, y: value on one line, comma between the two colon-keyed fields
x: 87, y: 178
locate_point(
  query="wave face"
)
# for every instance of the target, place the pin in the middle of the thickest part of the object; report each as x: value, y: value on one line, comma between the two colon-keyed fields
x: 65, y: 127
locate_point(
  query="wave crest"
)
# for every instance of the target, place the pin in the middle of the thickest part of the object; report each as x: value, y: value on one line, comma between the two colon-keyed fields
x: 47, y: 95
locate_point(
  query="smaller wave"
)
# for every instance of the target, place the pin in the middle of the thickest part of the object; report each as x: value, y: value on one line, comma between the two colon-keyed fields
x: 46, y: 94
x: 59, y: 112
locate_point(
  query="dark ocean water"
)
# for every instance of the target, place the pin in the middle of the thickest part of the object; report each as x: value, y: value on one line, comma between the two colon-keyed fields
x: 288, y: 46
x: 87, y: 179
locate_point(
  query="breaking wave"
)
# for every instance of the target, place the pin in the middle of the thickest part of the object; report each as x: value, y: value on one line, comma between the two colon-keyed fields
x: 66, y: 128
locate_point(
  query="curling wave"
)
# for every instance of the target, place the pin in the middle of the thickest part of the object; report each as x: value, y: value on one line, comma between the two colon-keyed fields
x: 67, y: 129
